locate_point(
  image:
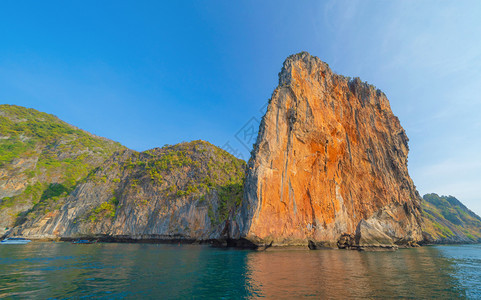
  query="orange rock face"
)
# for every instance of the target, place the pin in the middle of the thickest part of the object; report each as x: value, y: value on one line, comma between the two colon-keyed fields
x: 330, y: 162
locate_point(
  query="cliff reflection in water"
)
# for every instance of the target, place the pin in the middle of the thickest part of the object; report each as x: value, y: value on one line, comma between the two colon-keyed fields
x: 417, y: 273
x: 133, y: 271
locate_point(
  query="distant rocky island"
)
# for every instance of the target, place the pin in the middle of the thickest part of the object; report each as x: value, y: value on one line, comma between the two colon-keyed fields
x: 328, y: 170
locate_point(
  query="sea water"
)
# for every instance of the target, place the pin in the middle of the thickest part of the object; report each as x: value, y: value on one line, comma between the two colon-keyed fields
x: 149, y: 271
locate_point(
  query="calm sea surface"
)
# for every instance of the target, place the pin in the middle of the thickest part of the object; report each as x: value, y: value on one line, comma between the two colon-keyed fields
x: 64, y: 270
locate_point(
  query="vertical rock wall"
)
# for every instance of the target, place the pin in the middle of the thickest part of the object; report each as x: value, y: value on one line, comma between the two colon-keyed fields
x: 330, y: 165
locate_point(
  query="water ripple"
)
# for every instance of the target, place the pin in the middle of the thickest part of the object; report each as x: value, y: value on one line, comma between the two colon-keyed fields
x: 118, y: 271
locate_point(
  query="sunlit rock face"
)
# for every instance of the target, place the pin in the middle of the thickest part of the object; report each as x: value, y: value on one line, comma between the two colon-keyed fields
x: 329, y: 167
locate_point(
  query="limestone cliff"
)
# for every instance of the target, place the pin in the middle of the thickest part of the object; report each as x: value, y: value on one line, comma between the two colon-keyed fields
x: 41, y: 159
x: 188, y: 191
x: 329, y: 167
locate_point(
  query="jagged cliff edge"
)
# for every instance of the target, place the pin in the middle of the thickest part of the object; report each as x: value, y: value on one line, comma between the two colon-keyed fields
x: 329, y: 168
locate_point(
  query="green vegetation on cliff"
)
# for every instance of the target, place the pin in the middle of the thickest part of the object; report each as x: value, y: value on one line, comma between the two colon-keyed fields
x: 447, y: 220
x: 197, y: 170
x: 189, y: 190
x: 42, y: 159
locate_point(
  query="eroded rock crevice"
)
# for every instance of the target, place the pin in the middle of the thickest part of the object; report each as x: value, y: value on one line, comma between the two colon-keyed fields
x: 345, y: 134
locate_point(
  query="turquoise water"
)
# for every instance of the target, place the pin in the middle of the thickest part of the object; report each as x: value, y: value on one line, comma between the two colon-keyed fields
x: 64, y: 270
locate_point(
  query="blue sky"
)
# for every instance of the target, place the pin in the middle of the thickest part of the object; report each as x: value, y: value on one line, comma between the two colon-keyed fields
x: 149, y: 73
